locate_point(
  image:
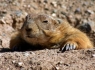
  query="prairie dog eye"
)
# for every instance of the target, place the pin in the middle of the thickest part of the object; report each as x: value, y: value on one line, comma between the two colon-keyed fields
x: 45, y: 21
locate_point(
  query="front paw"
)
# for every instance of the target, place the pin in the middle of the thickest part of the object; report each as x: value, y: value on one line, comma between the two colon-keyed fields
x: 68, y: 46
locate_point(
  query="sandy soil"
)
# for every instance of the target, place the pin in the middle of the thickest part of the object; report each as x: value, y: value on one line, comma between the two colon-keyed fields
x: 80, y: 14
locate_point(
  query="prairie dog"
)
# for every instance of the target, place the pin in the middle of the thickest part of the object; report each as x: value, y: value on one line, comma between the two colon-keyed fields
x: 45, y: 31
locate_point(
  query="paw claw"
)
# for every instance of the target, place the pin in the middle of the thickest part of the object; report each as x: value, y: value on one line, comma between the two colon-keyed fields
x: 71, y: 47
x: 68, y: 47
x: 74, y: 47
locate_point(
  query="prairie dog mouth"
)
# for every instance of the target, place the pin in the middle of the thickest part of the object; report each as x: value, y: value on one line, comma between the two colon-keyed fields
x: 31, y: 36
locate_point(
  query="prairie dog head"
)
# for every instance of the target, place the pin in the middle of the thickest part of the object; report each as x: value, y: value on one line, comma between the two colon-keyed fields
x: 38, y: 29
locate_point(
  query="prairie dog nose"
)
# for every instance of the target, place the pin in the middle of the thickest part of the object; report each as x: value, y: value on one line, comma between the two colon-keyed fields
x: 28, y: 29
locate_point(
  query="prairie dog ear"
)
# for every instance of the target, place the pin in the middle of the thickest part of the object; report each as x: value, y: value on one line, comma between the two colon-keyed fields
x: 59, y: 20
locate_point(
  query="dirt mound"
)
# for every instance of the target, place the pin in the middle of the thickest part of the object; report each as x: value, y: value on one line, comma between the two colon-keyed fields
x: 48, y: 60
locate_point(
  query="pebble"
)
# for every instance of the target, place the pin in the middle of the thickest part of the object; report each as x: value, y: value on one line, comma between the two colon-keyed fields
x: 24, y: 6
x: 32, y: 53
x: 1, y: 55
x: 64, y: 7
x: 78, y: 10
x: 13, y: 61
x: 84, y: 21
x: 28, y: 6
x: 92, y: 25
x: 54, y: 15
x: 85, y: 27
x: 85, y: 3
x: 54, y: 11
x: 20, y: 63
x: 18, y: 13
x: 93, y: 55
x: 63, y: 13
x: 8, y: 68
x: 54, y: 3
x: 46, y: 7
x: 71, y: 19
x: 57, y: 68
x: 91, y: 3
x: 23, y: 68
x: 45, y: 1
x: 90, y: 12
x: 16, y: 3
x: 2, y: 21
x: 26, y: 54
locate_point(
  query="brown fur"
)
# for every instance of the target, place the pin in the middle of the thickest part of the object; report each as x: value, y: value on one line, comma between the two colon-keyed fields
x: 47, y: 32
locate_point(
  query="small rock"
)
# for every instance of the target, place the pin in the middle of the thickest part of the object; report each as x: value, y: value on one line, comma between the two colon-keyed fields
x: 91, y: 3
x: 2, y: 21
x: 20, y: 63
x: 78, y: 10
x: 16, y: 3
x: 90, y: 12
x: 54, y: 11
x: 8, y: 68
x: 93, y: 55
x: 85, y: 27
x: 32, y: 53
x: 92, y: 25
x: 64, y: 7
x: 28, y: 6
x: 66, y: 64
x: 54, y: 3
x: 26, y: 54
x: 84, y: 21
x: 63, y: 13
x: 13, y: 61
x: 24, y: 6
x: 1, y: 55
x: 7, y: 19
x: 71, y: 20
x: 18, y: 13
x: 45, y: 1
x: 23, y: 68
x: 54, y: 15
x: 57, y: 68
x: 85, y: 3
x: 78, y: 17
x: 46, y: 7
